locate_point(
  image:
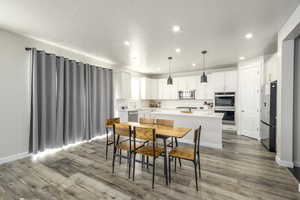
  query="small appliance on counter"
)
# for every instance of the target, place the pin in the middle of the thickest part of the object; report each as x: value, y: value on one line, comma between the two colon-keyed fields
x: 154, y: 104
x: 268, y: 117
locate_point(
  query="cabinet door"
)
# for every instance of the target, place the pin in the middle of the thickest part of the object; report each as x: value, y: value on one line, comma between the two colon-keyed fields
x: 123, y: 85
x: 181, y: 84
x: 135, y: 88
x: 230, y: 81
x: 201, y: 91
x: 218, y: 81
x: 154, y: 88
x: 192, y: 82
x: 160, y: 88
x: 209, y: 87
x: 143, y: 88
x: 174, y: 90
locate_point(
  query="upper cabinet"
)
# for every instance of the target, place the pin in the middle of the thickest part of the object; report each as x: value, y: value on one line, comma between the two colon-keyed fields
x: 231, y: 81
x: 224, y: 81
x: 165, y: 91
x: 149, y: 88
x: 131, y: 87
x: 123, y: 85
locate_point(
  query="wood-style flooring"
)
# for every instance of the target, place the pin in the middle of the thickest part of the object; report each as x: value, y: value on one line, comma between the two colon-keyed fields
x: 242, y: 170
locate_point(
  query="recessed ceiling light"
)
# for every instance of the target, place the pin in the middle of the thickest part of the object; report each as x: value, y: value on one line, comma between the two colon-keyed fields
x: 194, y: 65
x: 242, y: 58
x: 176, y: 28
x: 158, y: 69
x: 178, y: 50
x: 127, y: 43
x: 249, y: 36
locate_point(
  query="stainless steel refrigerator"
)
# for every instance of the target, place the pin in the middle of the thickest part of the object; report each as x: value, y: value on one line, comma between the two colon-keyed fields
x: 268, y: 116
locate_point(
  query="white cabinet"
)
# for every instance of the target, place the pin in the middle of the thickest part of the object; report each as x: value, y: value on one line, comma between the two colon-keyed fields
x: 187, y: 83
x: 205, y: 90
x: 210, y: 93
x: 231, y: 81
x: 153, y: 89
x: 218, y: 81
x: 149, y: 88
x: 166, y: 91
x: 144, y: 113
x: 123, y: 85
x: 225, y: 81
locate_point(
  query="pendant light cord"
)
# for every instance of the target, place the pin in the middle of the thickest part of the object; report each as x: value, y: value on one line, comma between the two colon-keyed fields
x: 170, y: 59
x: 204, y: 52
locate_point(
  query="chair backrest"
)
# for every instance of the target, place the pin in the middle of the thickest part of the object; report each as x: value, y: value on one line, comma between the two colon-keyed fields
x: 122, y: 130
x: 144, y: 133
x: 165, y: 122
x: 111, y: 121
x: 147, y: 134
x: 144, y: 120
x: 197, y: 136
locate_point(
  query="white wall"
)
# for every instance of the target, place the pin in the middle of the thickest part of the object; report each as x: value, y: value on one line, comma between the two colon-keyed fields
x: 286, y: 36
x: 296, y: 108
x: 15, y: 90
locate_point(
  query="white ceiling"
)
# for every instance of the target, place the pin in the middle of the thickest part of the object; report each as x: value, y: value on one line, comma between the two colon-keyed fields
x: 100, y: 27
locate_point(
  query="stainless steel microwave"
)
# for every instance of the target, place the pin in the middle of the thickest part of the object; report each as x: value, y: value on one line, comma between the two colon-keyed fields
x: 225, y: 99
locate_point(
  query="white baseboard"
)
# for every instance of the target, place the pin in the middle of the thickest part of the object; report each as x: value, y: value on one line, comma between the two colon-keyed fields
x: 284, y: 163
x: 14, y: 157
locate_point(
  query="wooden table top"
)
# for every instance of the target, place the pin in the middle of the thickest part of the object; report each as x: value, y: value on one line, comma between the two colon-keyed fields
x: 162, y: 130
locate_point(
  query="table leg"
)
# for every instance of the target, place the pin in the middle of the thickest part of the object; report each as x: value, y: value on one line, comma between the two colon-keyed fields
x: 165, y: 160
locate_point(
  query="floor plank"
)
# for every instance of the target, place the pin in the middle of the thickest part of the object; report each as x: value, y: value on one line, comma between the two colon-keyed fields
x: 242, y: 170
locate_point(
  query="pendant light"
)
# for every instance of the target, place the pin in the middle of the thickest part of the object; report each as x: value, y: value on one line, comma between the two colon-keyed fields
x: 170, y: 80
x: 204, y: 77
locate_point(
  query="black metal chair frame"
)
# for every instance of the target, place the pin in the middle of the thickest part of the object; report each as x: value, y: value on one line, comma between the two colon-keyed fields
x: 116, y: 142
x: 154, y: 153
x: 196, y: 160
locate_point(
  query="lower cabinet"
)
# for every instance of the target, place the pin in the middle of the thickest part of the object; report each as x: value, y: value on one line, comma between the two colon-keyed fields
x: 144, y: 113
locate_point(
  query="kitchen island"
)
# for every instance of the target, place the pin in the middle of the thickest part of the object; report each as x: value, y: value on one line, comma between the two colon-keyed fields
x: 211, y: 134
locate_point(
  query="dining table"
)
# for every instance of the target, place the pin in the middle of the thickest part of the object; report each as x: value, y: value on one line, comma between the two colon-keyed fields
x: 162, y: 132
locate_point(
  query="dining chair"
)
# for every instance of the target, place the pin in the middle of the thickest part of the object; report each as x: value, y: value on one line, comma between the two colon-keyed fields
x: 169, y: 123
x: 120, y: 130
x: 191, y: 154
x: 154, y: 151
x: 109, y: 126
x: 145, y: 120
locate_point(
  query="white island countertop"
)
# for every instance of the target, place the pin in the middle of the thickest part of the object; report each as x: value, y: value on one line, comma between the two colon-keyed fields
x: 197, y: 113
x: 210, y: 122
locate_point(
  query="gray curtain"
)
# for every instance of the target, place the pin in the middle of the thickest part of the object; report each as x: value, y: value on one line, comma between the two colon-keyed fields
x: 70, y: 101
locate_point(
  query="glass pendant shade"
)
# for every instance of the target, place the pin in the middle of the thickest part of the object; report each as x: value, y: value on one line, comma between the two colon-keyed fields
x: 170, y: 81
x: 203, y: 78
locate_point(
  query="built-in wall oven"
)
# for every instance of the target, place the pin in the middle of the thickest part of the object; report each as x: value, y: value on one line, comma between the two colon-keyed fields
x: 225, y: 103
x: 229, y: 115
x: 225, y: 99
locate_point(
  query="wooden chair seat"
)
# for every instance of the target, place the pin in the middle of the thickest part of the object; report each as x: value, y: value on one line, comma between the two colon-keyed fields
x: 110, y: 126
x: 110, y: 140
x: 148, y: 151
x: 126, y: 147
x: 181, y: 152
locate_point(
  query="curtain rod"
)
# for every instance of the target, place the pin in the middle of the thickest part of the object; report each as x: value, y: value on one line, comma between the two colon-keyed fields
x: 29, y: 49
